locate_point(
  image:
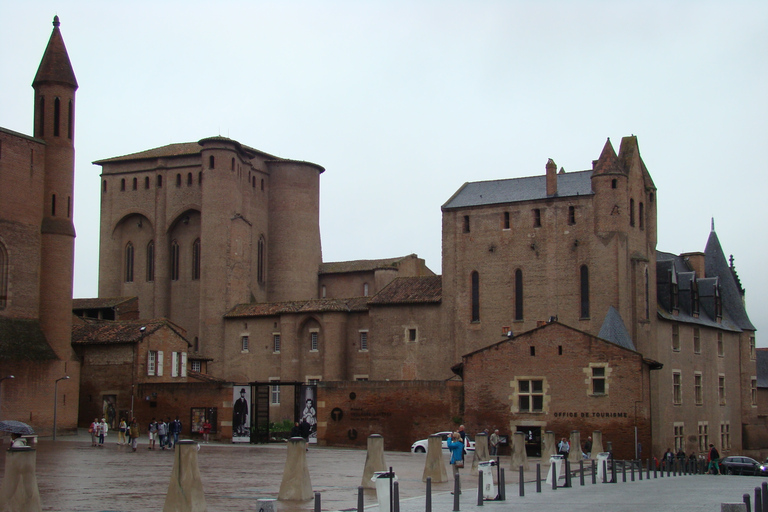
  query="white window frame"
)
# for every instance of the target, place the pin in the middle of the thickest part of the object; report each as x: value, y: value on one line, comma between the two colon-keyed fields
x: 314, y: 340
x: 197, y: 366
x: 721, y: 388
x: 274, y: 391
x: 155, y: 363
x: 245, y: 340
x: 276, y: 342
x: 703, y: 436
x: 313, y: 380
x: 677, y: 387
x: 363, y: 341
x: 698, y: 388
x: 679, y: 435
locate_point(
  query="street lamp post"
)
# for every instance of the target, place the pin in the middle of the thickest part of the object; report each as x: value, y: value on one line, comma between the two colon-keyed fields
x: 55, y: 401
x: 142, y: 329
x: 1, y: 389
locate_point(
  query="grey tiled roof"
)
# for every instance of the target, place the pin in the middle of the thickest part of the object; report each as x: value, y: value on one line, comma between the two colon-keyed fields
x: 410, y: 290
x: 614, y: 330
x: 715, y: 264
x: 482, y: 193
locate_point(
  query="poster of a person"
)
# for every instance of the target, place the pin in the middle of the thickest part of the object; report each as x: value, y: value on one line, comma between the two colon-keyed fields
x: 309, y: 415
x: 241, y: 431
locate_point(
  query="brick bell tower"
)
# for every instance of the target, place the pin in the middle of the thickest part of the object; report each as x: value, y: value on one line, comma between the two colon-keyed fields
x: 55, y: 85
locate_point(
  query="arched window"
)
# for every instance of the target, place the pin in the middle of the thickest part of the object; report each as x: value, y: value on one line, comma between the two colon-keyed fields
x: 640, y: 215
x: 210, y: 161
x: 122, y: 184
x: 129, y: 262
x: 151, y: 261
x: 632, y: 212
x: 518, y: 294
x: 174, y: 261
x: 3, y: 277
x: 70, y: 123
x: 56, y: 116
x: 135, y: 183
x: 475, y: 296
x: 196, y: 259
x: 584, y: 277
x: 159, y: 181
x: 146, y: 182
x: 189, y: 178
x: 260, y: 260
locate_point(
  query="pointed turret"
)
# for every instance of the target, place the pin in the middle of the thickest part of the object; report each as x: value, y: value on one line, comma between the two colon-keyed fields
x: 608, y: 163
x: 55, y: 66
x: 731, y: 293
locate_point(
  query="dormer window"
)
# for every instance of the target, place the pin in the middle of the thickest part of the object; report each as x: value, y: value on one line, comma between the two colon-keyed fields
x: 718, y: 304
x: 674, y: 291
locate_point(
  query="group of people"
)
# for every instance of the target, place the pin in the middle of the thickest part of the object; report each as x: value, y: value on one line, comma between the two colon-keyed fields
x: 166, y: 432
x: 98, y: 431
x: 713, y: 459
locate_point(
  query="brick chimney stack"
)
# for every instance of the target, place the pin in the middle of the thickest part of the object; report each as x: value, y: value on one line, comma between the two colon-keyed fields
x: 551, y: 178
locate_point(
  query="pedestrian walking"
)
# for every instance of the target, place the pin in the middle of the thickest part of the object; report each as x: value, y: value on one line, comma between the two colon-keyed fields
x: 162, y: 433
x: 175, y: 430
x: 103, y: 428
x: 122, y: 431
x: 94, y: 431
x: 152, y: 434
x: 133, y: 429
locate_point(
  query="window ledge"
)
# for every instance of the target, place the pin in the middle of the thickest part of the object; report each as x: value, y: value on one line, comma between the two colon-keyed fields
x: 244, y: 352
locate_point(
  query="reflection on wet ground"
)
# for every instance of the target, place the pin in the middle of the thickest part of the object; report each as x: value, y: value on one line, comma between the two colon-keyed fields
x: 73, y: 476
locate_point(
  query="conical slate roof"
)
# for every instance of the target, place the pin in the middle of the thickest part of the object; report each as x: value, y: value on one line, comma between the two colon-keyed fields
x: 614, y: 330
x: 55, y: 66
x: 715, y: 264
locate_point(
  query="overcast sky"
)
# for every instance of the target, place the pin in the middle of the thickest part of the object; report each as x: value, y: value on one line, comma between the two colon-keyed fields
x: 404, y: 101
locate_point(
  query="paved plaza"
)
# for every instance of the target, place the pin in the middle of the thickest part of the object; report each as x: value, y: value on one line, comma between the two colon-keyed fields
x: 73, y: 476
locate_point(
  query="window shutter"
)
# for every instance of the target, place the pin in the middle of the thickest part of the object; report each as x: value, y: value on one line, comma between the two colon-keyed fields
x: 159, y: 363
x: 174, y: 364
x: 183, y: 364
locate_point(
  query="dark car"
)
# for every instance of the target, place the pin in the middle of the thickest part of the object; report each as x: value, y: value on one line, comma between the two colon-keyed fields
x: 740, y: 465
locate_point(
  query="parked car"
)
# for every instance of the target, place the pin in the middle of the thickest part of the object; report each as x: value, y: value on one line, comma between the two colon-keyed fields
x: 740, y: 465
x: 420, y: 446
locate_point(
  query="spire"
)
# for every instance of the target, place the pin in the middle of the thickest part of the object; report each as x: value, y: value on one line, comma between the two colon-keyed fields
x: 608, y: 161
x: 712, y: 229
x: 55, y: 65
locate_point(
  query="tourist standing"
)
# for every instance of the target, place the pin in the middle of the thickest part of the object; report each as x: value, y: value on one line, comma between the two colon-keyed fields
x: 175, y: 430
x: 122, y: 430
x: 152, y: 434
x: 162, y: 433
x: 456, y: 447
x: 133, y: 430
x: 494, y: 443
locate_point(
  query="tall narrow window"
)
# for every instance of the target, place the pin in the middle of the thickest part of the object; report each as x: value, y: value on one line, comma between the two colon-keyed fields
x: 725, y: 435
x: 122, y: 184
x: 679, y: 437
x: 53, y: 205
x: 364, y: 341
x: 210, y: 162
x: 536, y: 218
x: 135, y: 183
x: 641, y: 215
x: 3, y: 277
x: 571, y: 215
x: 703, y: 436
x: 41, y: 119
x: 598, y: 380
x: 152, y: 362
x: 613, y: 183
x: 584, y: 278
x: 260, y: 260
x: 475, y: 296
x: 753, y: 391
x: 632, y: 212
x: 174, y: 261
x: 721, y: 389
x: 695, y: 298
x: 698, y: 389
x: 365, y: 289
x: 159, y: 181
x: 696, y: 340
x: 129, y: 263
x: 151, y: 261
x: 676, y: 337
x: 146, y: 182
x: 275, y: 391
x: 313, y: 342
x: 196, y: 259
x: 518, y: 294
x: 752, y: 354
x: 56, y: 116
x: 232, y: 165
x: 178, y: 180
x: 506, y: 220
x: 244, y: 340
x: 70, y: 121
x: 466, y: 224
x: 189, y: 179
x: 276, y: 343
x: 647, y: 296
x: 720, y: 346
x: 677, y: 385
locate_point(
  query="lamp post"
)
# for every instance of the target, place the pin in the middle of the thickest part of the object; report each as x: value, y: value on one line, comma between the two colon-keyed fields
x: 1, y: 389
x: 133, y: 371
x: 55, y: 401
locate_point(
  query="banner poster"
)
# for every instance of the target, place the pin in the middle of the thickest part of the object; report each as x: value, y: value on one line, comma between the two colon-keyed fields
x: 241, y: 429
x: 308, y: 417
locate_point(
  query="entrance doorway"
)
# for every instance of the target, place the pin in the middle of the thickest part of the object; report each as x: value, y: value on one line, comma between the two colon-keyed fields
x: 532, y: 440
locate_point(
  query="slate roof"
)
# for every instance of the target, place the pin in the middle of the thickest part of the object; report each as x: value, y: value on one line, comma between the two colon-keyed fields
x: 762, y: 367
x: 22, y: 339
x: 109, y: 332
x: 715, y: 264
x: 614, y: 330
x: 98, y: 302
x: 298, y: 306
x: 531, y: 188
x: 410, y: 290
x: 339, y: 267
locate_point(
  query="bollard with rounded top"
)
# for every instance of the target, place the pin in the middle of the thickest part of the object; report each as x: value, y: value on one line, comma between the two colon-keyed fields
x: 296, y: 484
x: 480, y: 489
x: 19, y: 491
x: 597, y: 441
x: 266, y: 505
x: 548, y: 445
x: 575, y: 454
x: 519, y: 456
x: 758, y: 500
x: 434, y: 467
x: 764, y: 492
x: 185, y: 491
x: 318, y: 506
x: 481, y: 451
x: 745, y: 498
x: 456, y: 492
x: 360, y: 498
x: 428, y: 501
x: 538, y: 477
x: 374, y: 460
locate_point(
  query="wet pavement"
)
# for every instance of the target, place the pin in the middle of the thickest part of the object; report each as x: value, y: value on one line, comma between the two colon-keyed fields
x: 73, y: 476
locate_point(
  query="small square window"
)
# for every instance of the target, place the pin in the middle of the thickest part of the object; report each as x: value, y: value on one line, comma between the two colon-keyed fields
x: 411, y: 334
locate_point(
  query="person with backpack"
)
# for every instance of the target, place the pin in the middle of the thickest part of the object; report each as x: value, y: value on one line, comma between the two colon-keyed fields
x: 713, y: 457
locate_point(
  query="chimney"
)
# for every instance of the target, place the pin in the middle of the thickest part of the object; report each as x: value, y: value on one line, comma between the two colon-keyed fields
x: 696, y: 262
x: 551, y: 178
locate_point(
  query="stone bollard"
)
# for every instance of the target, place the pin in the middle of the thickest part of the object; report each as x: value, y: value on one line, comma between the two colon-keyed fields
x: 597, y: 442
x: 434, y: 466
x: 575, y: 454
x: 374, y: 460
x: 481, y: 451
x: 185, y: 491
x: 296, y: 484
x: 549, y: 445
x: 19, y: 491
x: 519, y: 456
